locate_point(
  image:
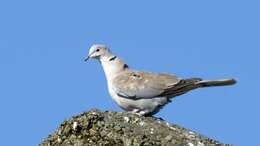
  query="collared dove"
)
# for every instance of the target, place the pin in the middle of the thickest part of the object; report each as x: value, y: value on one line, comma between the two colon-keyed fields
x: 141, y: 92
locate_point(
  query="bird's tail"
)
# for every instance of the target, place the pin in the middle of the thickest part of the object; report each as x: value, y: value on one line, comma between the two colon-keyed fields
x: 211, y: 83
x: 186, y: 85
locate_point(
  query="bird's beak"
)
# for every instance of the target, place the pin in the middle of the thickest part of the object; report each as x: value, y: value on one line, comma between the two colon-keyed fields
x: 87, y: 58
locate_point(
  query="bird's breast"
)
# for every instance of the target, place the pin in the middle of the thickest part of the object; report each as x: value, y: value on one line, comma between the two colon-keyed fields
x: 126, y: 104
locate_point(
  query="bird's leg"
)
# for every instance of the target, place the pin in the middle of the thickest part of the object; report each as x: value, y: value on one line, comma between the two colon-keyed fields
x: 136, y: 111
x: 139, y: 112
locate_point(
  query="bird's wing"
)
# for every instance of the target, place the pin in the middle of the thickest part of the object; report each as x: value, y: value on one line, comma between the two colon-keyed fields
x: 139, y: 84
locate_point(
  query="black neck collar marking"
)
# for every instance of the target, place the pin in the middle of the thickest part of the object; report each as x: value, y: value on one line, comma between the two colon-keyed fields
x: 112, y: 58
x: 126, y: 66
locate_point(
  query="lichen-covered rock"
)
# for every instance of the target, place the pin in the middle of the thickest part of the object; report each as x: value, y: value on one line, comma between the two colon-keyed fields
x: 122, y: 128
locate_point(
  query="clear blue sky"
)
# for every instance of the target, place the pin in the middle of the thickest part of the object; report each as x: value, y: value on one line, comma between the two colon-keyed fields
x: 44, y: 80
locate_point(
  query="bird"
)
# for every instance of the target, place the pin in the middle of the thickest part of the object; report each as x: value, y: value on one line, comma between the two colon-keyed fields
x: 142, y: 92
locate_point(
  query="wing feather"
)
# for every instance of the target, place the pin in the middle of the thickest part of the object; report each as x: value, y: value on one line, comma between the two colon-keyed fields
x: 139, y: 84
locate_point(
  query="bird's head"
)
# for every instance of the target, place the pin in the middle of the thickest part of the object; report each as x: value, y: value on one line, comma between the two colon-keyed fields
x: 97, y: 51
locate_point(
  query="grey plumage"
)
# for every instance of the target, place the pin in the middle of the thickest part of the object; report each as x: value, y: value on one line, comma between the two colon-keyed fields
x: 142, y: 92
x: 140, y: 84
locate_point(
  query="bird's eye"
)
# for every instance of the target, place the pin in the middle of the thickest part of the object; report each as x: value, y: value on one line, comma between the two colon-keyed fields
x: 97, y: 50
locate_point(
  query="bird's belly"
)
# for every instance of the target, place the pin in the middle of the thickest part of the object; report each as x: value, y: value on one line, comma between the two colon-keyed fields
x: 149, y: 104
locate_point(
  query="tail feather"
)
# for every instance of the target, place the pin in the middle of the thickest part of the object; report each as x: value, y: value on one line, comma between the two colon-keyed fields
x: 193, y: 83
x: 210, y: 83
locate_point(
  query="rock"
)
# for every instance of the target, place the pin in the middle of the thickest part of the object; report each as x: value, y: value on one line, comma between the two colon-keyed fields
x: 123, y: 128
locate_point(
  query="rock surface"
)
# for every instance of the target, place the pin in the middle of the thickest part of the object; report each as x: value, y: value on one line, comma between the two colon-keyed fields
x: 122, y: 128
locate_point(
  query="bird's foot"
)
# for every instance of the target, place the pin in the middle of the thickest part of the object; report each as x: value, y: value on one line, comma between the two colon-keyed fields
x: 136, y: 112
x: 139, y: 112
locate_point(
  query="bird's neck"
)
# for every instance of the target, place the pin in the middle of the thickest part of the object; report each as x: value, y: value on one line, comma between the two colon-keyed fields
x: 112, y: 65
